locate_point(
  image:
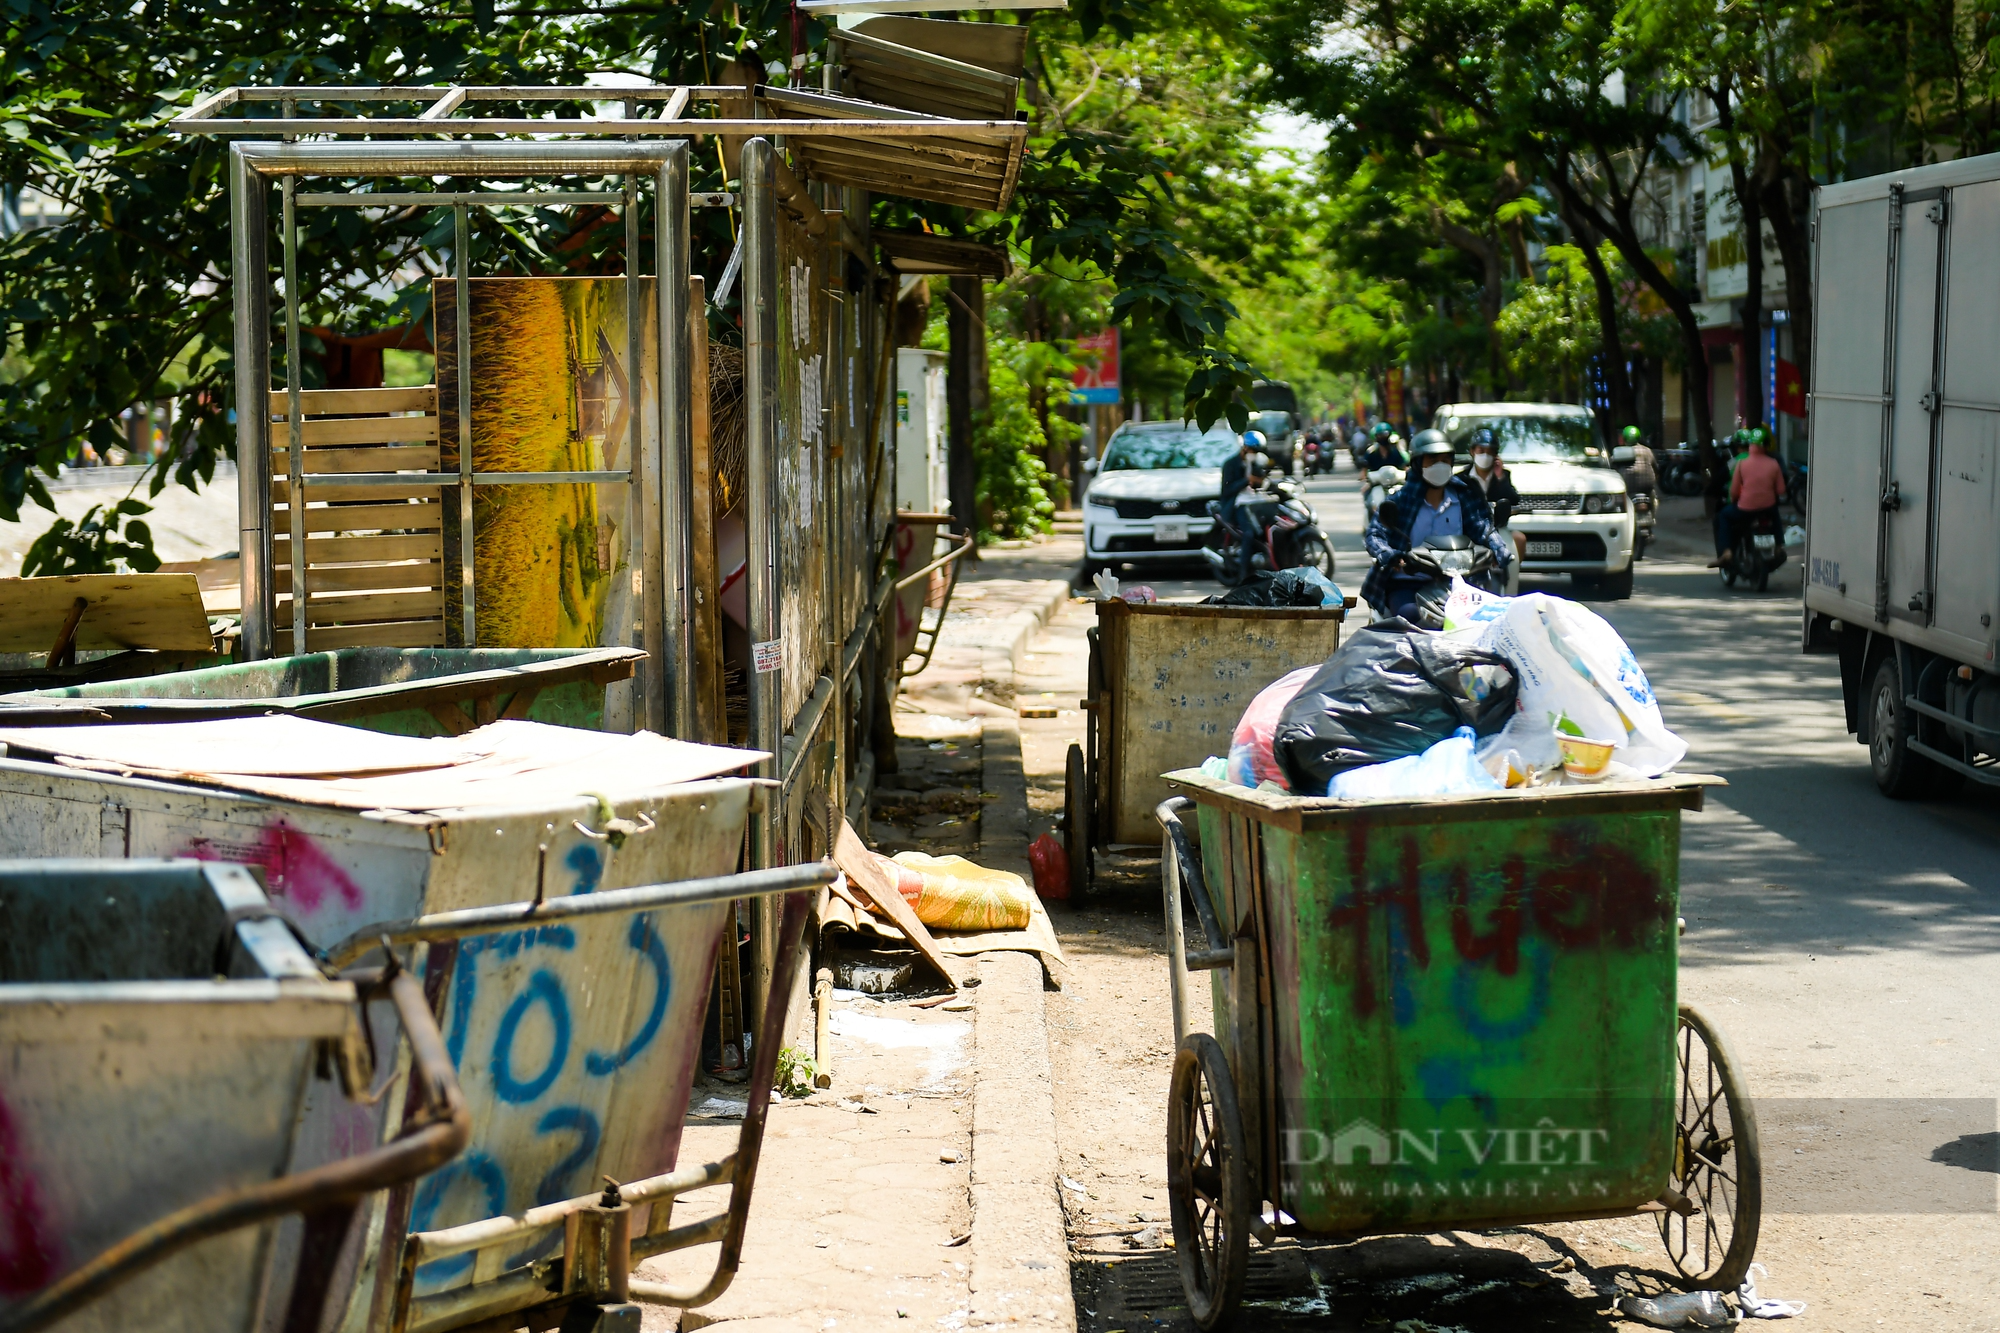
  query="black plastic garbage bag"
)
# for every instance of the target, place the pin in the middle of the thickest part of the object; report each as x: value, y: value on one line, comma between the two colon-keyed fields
x: 1391, y: 690
x: 1287, y: 587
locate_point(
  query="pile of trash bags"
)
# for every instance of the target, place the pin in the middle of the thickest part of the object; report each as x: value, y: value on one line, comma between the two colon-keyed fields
x: 1512, y: 692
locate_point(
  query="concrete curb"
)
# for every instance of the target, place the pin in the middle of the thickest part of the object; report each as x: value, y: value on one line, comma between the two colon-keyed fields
x: 1020, y: 1250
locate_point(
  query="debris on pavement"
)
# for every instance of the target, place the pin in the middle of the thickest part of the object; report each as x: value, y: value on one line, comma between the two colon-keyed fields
x: 1683, y: 1309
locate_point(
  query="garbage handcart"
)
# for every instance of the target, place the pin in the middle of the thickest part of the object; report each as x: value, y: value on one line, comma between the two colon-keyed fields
x: 161, y: 1023
x: 1442, y: 1014
x: 563, y: 939
x: 402, y: 691
x: 1167, y: 682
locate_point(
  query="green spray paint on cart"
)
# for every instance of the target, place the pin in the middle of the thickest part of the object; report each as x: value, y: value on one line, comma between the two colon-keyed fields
x: 1473, y: 1002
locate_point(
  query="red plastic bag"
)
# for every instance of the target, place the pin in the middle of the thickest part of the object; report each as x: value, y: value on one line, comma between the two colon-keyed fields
x: 1250, y: 757
x: 1051, y: 865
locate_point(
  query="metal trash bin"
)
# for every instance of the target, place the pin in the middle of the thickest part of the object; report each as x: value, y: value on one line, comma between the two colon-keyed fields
x: 575, y: 1041
x: 1167, y: 683
x: 404, y: 691
x: 1452, y: 1012
x: 162, y: 1029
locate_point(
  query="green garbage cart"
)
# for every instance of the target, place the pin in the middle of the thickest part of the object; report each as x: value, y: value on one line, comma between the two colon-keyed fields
x: 404, y: 691
x: 1448, y: 1013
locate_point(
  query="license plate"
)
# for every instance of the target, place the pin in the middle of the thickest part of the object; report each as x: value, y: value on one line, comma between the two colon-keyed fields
x: 1765, y: 541
x: 1170, y: 530
x: 1545, y: 548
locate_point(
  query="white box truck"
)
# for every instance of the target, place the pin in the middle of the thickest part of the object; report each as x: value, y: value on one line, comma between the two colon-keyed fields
x: 1902, y: 573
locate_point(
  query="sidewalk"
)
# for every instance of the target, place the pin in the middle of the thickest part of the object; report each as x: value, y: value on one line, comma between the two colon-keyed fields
x: 919, y: 1191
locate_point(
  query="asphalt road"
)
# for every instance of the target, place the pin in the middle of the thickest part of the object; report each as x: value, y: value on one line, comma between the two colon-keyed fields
x: 1847, y: 945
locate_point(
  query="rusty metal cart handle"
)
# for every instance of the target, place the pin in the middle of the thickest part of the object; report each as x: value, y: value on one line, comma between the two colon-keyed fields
x: 643, y: 898
x: 599, y: 1249
x: 432, y: 1137
x: 1179, y: 864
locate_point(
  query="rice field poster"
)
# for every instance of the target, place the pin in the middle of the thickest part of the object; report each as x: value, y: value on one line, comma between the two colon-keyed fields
x: 553, y: 390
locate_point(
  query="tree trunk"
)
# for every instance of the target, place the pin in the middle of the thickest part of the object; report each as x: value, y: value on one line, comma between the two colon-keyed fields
x: 962, y: 469
x: 1492, y: 259
x: 1749, y: 209
x: 1624, y: 408
x: 1618, y: 229
x: 1788, y: 203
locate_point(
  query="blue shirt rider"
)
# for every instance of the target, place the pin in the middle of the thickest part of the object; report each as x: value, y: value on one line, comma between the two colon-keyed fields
x: 1432, y: 503
x: 1240, y: 474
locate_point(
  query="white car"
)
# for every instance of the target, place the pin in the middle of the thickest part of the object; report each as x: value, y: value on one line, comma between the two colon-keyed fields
x: 1574, y: 513
x: 1149, y: 493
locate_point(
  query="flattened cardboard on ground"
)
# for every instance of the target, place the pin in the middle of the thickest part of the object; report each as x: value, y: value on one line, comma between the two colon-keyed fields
x: 124, y: 611
x: 859, y: 865
x: 503, y: 763
x: 845, y: 910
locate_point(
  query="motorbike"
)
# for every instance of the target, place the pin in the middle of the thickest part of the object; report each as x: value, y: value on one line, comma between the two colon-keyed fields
x: 1758, y: 552
x: 1681, y: 472
x: 1438, y: 561
x: 1795, y: 487
x: 1309, y: 456
x: 1380, y: 482
x: 1286, y: 536
x: 1645, y: 518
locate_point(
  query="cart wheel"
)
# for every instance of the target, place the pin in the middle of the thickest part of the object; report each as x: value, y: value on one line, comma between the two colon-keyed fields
x: 1717, y: 1164
x: 1208, y: 1181
x: 1076, y: 823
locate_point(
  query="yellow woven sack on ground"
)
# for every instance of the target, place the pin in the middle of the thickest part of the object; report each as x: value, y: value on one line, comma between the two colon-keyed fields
x: 952, y: 893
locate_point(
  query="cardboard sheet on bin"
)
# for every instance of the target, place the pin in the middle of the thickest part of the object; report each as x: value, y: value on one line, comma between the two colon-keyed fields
x: 505, y: 763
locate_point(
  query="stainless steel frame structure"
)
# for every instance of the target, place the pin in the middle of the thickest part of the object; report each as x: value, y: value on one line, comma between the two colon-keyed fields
x: 889, y: 149
x: 665, y: 607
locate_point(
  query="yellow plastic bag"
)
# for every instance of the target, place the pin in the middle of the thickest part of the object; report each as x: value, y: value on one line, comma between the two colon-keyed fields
x: 952, y: 893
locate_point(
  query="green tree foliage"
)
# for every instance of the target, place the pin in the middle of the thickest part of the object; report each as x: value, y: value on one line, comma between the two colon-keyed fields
x: 129, y: 299
x: 1016, y: 486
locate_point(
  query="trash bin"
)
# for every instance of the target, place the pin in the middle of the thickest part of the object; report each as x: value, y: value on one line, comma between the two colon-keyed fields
x: 575, y: 1042
x: 404, y: 691
x: 162, y: 1030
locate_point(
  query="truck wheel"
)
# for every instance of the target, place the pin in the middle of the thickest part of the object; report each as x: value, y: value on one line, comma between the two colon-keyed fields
x: 1616, y: 587
x: 1900, y: 774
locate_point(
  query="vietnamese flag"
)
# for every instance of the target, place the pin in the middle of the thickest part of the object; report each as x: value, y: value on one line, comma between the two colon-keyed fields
x: 1791, y: 390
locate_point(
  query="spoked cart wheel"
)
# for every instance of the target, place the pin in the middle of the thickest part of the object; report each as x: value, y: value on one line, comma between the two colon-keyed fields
x: 1076, y: 824
x: 1208, y: 1181
x: 1717, y: 1165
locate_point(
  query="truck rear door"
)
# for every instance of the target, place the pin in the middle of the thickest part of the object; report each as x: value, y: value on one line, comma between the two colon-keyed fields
x: 1917, y: 251
x: 1965, y: 583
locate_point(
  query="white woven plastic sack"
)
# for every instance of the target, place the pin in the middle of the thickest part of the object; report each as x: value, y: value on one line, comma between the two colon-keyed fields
x: 1472, y: 609
x: 1570, y: 661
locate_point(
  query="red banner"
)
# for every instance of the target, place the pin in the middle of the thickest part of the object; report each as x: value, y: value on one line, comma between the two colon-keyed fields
x: 1096, y: 378
x: 1791, y: 390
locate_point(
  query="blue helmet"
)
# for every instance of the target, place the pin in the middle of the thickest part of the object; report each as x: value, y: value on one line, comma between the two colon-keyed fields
x: 1254, y: 439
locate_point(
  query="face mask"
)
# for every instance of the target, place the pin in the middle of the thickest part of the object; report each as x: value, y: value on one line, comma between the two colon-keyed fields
x: 1483, y: 461
x: 1437, y: 474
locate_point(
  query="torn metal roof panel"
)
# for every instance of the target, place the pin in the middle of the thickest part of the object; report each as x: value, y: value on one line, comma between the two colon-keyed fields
x: 922, y: 252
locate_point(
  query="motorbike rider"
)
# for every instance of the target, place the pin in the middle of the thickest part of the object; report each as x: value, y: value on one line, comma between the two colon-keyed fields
x: 1641, y: 475
x: 1434, y: 502
x: 1756, y: 487
x: 1240, y: 474
x: 1384, y: 449
x: 1489, y: 474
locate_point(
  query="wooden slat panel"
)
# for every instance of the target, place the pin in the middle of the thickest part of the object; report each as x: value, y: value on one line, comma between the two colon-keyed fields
x: 332, y: 461
x: 322, y: 580
x: 366, y: 518
x: 394, y: 634
x: 330, y: 550
x: 383, y: 606
x: 356, y: 430
x: 325, y: 492
x: 341, y: 402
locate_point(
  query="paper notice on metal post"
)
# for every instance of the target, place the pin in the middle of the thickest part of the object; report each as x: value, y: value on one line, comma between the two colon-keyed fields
x: 769, y: 655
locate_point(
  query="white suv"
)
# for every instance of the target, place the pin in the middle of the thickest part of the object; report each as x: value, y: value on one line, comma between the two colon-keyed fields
x: 1149, y: 494
x: 1574, y: 513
